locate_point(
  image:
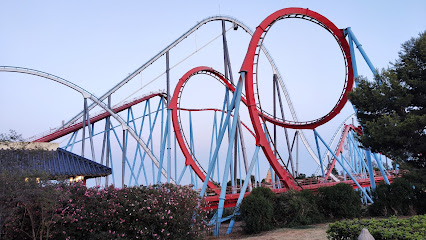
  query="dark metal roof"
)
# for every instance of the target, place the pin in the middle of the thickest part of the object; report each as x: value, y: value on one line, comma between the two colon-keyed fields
x: 59, y: 163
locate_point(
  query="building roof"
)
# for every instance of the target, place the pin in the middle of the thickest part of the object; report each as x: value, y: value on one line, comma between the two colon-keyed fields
x: 59, y: 163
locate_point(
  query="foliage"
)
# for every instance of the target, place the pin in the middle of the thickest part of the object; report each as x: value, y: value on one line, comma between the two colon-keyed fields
x: 398, y: 198
x: 32, y: 209
x: 264, y: 192
x: 12, y: 136
x: 295, y: 208
x: 339, y: 201
x: 24, y: 192
x: 301, y: 176
x: 392, y: 228
x: 416, y: 176
x: 239, y: 182
x: 256, y: 212
x: 164, y: 211
x: 392, y: 109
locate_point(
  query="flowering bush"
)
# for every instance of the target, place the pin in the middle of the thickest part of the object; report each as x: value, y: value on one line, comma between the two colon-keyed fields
x: 164, y: 211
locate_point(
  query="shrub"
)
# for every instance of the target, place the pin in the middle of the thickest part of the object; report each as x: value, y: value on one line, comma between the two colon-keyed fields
x: 164, y: 211
x: 398, y: 198
x: 339, y: 201
x: 256, y: 212
x: 295, y: 208
x: 264, y: 192
x: 31, y: 209
x: 391, y: 228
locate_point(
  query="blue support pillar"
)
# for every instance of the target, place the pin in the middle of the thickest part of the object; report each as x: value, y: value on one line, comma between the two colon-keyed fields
x: 244, y: 188
x: 181, y: 174
x: 138, y: 150
x: 73, y: 141
x: 382, y: 170
x: 319, y: 154
x: 351, y: 47
x: 370, y: 169
x: 212, y: 141
x: 69, y: 142
x: 151, y: 129
x: 232, y: 134
x: 222, y: 130
x: 122, y: 149
x: 361, y: 50
x: 344, y: 169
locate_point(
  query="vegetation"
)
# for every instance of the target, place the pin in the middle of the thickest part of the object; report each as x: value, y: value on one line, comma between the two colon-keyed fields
x: 257, y: 210
x: 392, y: 228
x: 32, y: 207
x: 339, y: 201
x: 399, y: 198
x: 63, y: 211
x: 295, y: 208
x: 22, y: 186
x: 263, y: 210
x: 392, y: 109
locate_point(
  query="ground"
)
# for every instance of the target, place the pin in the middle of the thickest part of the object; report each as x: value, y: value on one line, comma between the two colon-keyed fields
x: 312, y: 232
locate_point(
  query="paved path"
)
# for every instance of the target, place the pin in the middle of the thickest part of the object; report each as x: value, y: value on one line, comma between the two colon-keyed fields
x: 312, y: 232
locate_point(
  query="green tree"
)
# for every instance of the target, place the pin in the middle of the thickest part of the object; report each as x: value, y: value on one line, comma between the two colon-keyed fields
x: 339, y: 201
x: 257, y: 213
x: 28, y: 200
x: 294, y: 208
x: 392, y: 109
x: 398, y: 198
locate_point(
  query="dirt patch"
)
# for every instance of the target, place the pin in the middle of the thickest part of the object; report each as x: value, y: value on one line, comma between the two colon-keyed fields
x: 311, y: 232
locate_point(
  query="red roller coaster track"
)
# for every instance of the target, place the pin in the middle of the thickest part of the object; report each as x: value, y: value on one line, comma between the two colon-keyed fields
x: 174, y: 102
x: 64, y: 131
x: 253, y: 50
x: 340, y: 146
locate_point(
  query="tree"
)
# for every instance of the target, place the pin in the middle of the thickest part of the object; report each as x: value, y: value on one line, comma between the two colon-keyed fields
x: 13, y: 136
x: 28, y: 200
x: 257, y: 210
x: 392, y: 108
x: 339, y: 201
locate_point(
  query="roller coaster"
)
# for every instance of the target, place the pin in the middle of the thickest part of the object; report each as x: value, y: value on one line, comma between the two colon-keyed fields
x: 162, y: 131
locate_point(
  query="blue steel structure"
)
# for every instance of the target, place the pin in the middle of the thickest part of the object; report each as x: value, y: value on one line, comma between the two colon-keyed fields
x: 152, y: 136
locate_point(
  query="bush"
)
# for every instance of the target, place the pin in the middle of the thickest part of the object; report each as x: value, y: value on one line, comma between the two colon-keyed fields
x: 164, y: 211
x: 391, y: 228
x: 295, y: 208
x: 257, y: 211
x: 28, y: 207
x: 339, y: 201
x: 264, y: 192
x: 398, y: 198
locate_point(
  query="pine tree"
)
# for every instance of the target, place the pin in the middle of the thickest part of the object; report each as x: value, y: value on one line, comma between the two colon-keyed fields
x: 392, y: 108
